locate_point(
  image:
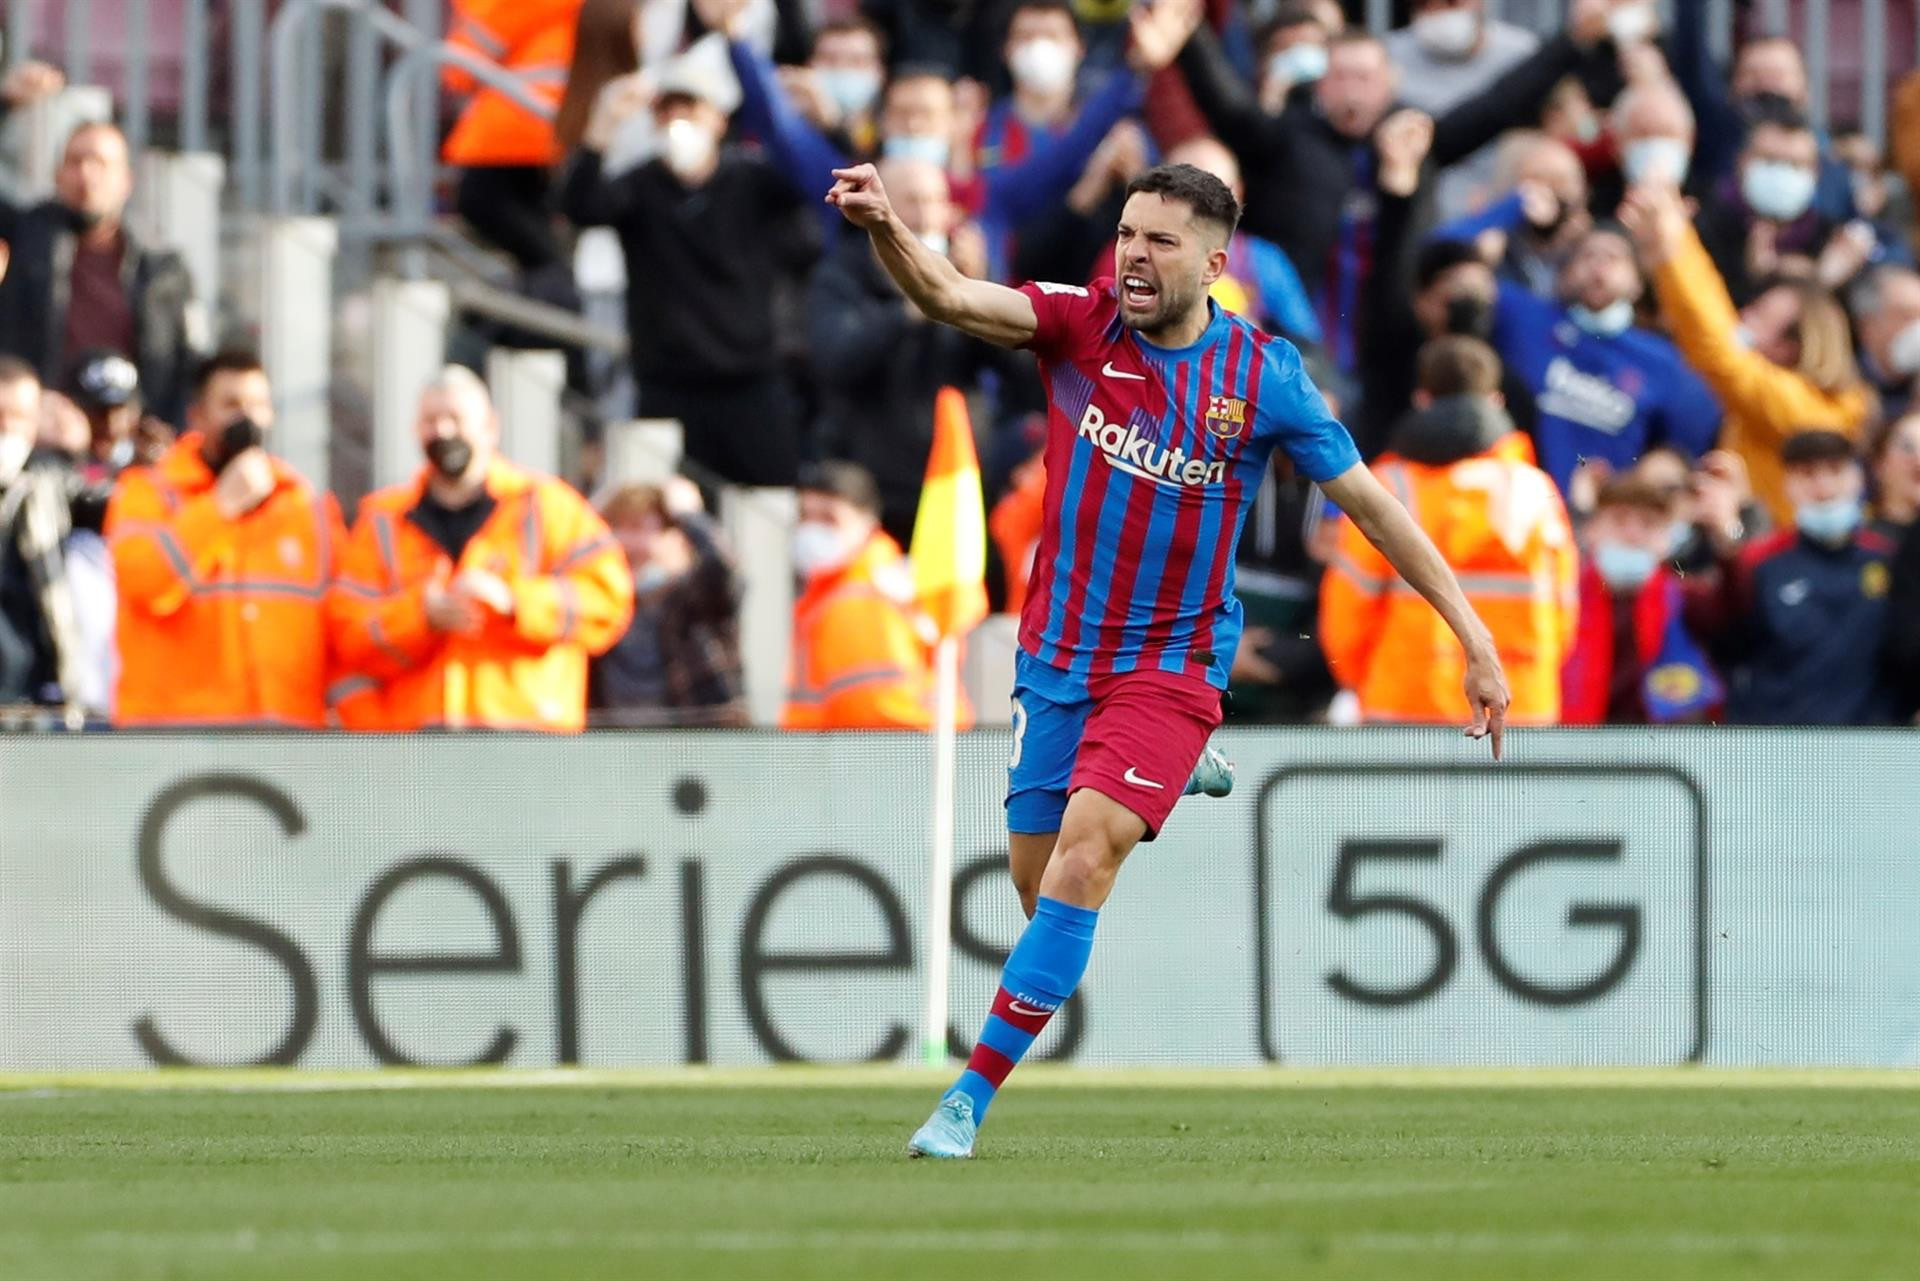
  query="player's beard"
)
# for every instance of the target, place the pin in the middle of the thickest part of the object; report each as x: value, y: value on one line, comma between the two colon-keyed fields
x: 1169, y: 304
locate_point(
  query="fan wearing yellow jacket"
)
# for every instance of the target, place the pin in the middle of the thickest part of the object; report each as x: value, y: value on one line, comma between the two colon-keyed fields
x: 1782, y: 365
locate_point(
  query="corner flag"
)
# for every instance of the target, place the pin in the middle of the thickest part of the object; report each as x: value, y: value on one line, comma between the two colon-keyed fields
x: 949, y: 550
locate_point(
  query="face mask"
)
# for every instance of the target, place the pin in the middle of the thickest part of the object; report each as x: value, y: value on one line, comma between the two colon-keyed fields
x: 1904, y: 351
x: 1656, y: 159
x: 1776, y: 190
x: 1043, y: 66
x: 1586, y: 129
x: 450, y: 456
x: 936, y: 241
x: 1632, y: 24
x: 13, y: 456
x: 818, y: 549
x: 1610, y: 321
x: 1448, y: 34
x: 235, y: 439
x: 852, y: 91
x: 1300, y: 64
x: 688, y: 149
x: 651, y: 578
x: 928, y: 148
x: 1624, y: 568
x: 1470, y: 315
x: 1743, y: 337
x: 1831, y: 522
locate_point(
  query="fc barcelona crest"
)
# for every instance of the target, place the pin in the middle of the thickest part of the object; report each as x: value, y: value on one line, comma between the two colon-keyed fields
x: 1226, y: 416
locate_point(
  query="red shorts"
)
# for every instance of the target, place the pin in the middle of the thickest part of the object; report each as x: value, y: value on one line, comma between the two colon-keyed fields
x: 1134, y: 738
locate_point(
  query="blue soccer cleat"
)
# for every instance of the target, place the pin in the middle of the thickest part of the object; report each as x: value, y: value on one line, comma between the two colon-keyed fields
x: 948, y: 1133
x: 1213, y: 774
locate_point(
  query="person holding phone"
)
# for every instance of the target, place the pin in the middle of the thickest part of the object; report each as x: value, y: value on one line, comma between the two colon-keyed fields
x: 223, y: 554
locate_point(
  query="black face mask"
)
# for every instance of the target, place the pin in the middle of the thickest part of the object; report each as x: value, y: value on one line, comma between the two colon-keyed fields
x: 81, y: 221
x: 236, y: 438
x: 1470, y: 315
x: 450, y: 456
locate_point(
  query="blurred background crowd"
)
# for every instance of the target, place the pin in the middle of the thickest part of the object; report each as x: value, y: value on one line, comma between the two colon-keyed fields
x: 1625, y: 313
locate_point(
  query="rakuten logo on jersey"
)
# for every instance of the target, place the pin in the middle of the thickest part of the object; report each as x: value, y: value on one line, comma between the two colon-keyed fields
x: 1137, y: 455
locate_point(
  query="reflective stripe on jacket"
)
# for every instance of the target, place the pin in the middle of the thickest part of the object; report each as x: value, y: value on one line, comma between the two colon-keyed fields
x: 534, y: 40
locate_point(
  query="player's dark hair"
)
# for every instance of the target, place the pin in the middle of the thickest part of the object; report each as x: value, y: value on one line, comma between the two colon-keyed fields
x: 15, y: 370
x: 1198, y: 190
x: 228, y: 360
x: 1818, y: 446
x: 1440, y: 257
x: 849, y: 482
x: 1456, y: 365
x: 852, y: 24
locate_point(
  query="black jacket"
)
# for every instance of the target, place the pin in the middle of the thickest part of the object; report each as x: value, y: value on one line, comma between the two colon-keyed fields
x: 33, y: 304
x: 878, y: 370
x: 1300, y: 172
x: 1903, y: 623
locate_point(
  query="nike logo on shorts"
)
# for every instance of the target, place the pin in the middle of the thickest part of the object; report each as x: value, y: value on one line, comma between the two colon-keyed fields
x: 1132, y: 776
x: 1111, y: 372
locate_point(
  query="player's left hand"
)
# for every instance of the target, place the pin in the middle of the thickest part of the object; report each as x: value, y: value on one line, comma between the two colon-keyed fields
x: 857, y: 193
x: 1488, y: 697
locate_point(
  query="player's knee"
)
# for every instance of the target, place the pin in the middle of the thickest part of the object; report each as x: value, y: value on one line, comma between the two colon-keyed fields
x: 1083, y: 869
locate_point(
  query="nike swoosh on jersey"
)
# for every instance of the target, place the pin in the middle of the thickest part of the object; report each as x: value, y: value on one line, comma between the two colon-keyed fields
x: 1132, y: 777
x: 1111, y: 372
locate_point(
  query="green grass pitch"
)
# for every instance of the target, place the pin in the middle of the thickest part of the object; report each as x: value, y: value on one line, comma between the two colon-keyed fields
x: 1101, y: 1175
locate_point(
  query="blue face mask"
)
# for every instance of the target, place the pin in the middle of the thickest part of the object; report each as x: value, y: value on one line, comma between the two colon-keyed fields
x: 1624, y: 568
x: 1831, y: 522
x: 1299, y: 64
x: 852, y: 91
x: 929, y: 148
x: 1655, y: 159
x: 1777, y: 190
x: 651, y: 578
x: 1610, y: 321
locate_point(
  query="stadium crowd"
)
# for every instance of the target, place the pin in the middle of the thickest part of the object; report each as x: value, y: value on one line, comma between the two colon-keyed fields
x: 1635, y: 341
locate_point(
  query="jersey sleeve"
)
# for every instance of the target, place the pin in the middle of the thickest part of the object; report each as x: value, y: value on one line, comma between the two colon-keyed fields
x: 1060, y: 312
x: 1291, y: 412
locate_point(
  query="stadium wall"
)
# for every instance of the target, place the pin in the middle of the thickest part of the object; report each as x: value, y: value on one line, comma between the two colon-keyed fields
x: 1365, y: 897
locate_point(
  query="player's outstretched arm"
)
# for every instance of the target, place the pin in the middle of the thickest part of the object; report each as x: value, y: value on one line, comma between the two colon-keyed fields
x: 937, y: 287
x: 1389, y: 526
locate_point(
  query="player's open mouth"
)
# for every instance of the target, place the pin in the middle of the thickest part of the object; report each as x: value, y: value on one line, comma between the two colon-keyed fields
x: 1137, y: 291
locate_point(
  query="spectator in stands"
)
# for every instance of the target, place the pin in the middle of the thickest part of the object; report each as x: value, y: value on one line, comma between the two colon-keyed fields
x: 1312, y: 167
x: 1501, y: 526
x: 1451, y: 51
x: 1015, y: 524
x: 1606, y: 390
x: 1885, y: 303
x: 1293, y: 52
x: 1530, y: 231
x: 1074, y: 239
x: 472, y: 596
x: 25, y: 648
x: 705, y: 230
x: 1781, y: 365
x: 78, y: 279
x: 1902, y: 656
x: 877, y: 362
x: 1895, y: 461
x: 1714, y: 510
x: 1802, y: 614
x: 222, y: 554
x: 105, y: 386
x: 679, y: 661
x: 860, y: 657
x: 1634, y: 662
x: 1652, y: 129
x: 505, y: 152
x: 838, y: 91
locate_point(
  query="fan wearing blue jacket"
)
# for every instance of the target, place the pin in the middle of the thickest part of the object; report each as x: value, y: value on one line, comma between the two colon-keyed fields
x: 1606, y: 389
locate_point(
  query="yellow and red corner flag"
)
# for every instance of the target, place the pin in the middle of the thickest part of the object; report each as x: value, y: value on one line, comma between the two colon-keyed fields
x: 949, y: 550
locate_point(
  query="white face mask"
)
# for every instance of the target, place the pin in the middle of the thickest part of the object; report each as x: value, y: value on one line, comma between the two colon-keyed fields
x: 1777, y: 190
x: 687, y: 148
x: 1302, y: 63
x: 819, y: 549
x: 1448, y: 33
x: 13, y: 456
x: 1632, y: 24
x: 1904, y: 351
x: 1656, y: 160
x: 1042, y: 66
x: 1610, y: 321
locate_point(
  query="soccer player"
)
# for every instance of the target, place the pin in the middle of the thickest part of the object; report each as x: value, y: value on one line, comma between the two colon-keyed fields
x: 1163, y: 412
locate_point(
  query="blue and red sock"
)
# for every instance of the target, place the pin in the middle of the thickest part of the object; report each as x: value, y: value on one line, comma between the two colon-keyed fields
x: 1040, y: 975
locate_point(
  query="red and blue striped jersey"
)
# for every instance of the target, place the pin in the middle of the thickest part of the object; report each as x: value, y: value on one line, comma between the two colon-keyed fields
x: 1153, y: 459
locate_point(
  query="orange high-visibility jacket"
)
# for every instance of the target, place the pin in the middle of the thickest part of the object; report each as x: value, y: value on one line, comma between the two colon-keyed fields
x: 534, y: 40
x: 572, y: 593
x: 1502, y: 527
x: 861, y: 659
x: 1015, y: 526
x: 221, y: 622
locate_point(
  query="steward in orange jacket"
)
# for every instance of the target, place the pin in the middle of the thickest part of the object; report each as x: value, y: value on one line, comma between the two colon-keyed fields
x: 862, y: 654
x: 222, y: 556
x: 1502, y: 528
x: 534, y: 40
x: 473, y: 595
